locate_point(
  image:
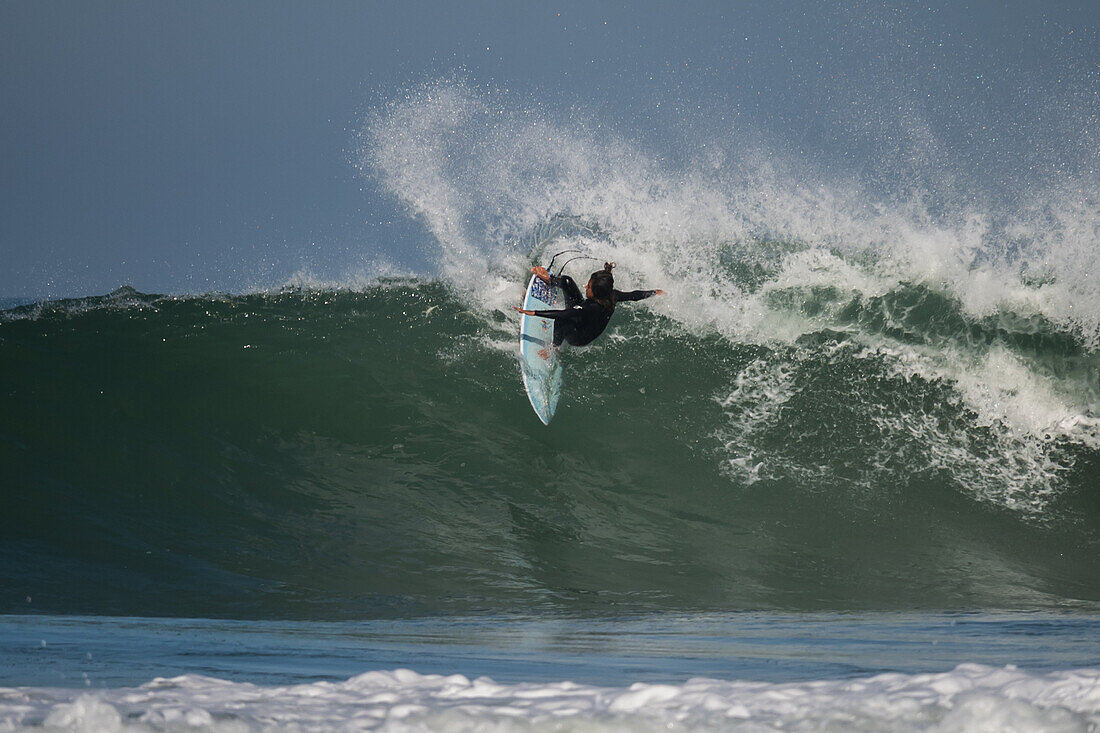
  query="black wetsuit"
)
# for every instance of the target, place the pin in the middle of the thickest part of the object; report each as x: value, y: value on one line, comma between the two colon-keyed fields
x: 583, y: 319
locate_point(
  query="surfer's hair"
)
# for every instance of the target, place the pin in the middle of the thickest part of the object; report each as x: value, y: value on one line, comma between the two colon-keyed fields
x: 603, y: 283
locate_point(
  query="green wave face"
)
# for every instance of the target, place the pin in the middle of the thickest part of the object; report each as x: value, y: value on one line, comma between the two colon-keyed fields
x: 336, y: 454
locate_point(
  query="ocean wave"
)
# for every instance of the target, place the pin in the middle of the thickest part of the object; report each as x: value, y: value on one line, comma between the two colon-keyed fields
x: 370, y: 452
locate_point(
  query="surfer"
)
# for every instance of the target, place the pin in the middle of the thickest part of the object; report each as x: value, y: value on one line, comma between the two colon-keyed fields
x: 583, y: 319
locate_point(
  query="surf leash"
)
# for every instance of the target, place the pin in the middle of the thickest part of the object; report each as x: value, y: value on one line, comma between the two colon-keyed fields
x: 582, y: 257
x: 564, y: 251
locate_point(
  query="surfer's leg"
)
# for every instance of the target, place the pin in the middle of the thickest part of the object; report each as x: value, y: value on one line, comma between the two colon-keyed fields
x: 571, y: 291
x: 562, y: 328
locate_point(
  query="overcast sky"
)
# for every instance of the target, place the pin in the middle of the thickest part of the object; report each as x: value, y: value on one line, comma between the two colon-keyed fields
x: 199, y: 146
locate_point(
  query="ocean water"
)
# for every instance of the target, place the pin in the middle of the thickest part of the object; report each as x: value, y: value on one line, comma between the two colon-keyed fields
x: 334, y: 509
x: 844, y: 476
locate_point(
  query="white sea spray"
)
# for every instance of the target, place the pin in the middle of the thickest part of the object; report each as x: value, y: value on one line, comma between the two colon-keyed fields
x: 764, y: 249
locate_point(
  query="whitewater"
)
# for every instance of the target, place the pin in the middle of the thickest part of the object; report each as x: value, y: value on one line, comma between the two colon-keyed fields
x: 755, y: 246
x: 970, y: 698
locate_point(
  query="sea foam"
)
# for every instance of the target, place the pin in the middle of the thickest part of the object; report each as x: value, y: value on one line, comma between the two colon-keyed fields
x: 969, y: 698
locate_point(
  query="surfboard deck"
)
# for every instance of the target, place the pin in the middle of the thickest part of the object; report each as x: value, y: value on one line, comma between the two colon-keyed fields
x: 538, y: 357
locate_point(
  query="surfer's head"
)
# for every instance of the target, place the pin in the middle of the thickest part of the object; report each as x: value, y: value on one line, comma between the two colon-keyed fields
x: 601, y: 284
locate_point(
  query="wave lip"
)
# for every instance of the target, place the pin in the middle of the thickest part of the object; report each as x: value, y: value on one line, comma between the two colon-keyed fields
x: 971, y: 697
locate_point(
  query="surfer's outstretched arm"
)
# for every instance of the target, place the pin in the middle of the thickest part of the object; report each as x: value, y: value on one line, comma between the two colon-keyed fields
x: 620, y: 296
x: 547, y: 314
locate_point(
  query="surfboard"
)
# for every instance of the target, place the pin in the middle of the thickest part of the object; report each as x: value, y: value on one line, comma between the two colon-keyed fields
x: 537, y: 355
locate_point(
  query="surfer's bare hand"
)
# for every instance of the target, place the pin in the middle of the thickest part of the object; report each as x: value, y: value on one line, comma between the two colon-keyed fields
x: 658, y: 292
x: 541, y: 273
x: 524, y: 312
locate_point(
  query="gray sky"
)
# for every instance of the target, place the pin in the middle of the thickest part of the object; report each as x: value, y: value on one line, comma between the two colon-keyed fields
x: 198, y: 146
